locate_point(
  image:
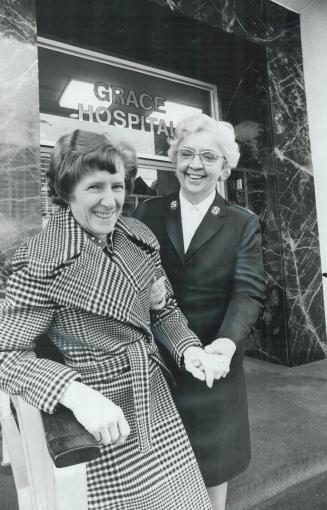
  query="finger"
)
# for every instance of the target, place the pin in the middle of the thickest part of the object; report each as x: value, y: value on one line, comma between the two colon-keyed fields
x: 197, y: 363
x: 124, y: 430
x: 219, y: 374
x: 158, y: 306
x: 105, y: 436
x: 97, y: 436
x: 196, y: 372
x: 158, y: 284
x: 114, y: 432
x: 158, y: 294
x: 209, y: 376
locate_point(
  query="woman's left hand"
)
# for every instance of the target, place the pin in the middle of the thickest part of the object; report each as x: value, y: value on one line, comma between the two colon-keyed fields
x: 224, y: 349
x: 158, y: 294
x: 202, y: 365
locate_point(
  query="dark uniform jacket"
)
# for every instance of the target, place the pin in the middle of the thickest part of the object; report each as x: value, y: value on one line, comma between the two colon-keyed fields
x: 219, y: 282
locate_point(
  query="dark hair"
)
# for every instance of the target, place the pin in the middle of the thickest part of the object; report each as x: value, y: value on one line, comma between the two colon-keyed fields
x: 81, y: 152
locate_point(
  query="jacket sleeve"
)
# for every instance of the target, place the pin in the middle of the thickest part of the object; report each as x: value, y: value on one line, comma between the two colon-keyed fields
x: 248, y: 286
x: 169, y: 325
x: 25, y: 314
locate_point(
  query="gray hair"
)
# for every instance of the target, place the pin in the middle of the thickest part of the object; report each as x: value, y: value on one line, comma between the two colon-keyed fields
x: 223, y: 131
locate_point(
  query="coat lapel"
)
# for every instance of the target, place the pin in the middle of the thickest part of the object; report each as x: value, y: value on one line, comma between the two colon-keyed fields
x: 173, y: 225
x: 210, y: 225
x: 85, y: 277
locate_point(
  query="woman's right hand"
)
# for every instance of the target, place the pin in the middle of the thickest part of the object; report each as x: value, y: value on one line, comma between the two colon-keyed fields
x: 98, y: 415
x: 202, y: 365
x: 158, y: 294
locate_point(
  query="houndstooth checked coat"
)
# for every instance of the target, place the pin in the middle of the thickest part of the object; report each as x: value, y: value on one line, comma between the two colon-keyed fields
x: 95, y: 308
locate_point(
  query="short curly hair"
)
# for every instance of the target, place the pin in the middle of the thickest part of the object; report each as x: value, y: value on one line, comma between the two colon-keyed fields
x: 82, y: 152
x: 223, y: 131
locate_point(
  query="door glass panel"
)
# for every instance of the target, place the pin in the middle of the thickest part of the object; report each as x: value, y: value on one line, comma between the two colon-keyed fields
x: 151, y: 182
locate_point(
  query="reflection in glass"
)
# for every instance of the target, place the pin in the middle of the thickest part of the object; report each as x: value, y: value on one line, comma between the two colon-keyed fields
x: 149, y: 183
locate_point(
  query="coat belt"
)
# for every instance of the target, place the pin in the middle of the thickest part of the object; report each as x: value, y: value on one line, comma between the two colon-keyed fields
x: 138, y: 354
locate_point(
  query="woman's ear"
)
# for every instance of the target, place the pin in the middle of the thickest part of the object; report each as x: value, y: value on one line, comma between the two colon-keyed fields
x: 225, y: 173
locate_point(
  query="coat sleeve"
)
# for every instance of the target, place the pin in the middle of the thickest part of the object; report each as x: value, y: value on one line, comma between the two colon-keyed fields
x: 25, y: 314
x: 248, y: 286
x: 169, y: 325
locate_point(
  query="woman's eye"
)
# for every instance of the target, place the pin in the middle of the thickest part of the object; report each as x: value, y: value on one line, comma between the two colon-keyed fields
x: 118, y: 187
x: 94, y: 187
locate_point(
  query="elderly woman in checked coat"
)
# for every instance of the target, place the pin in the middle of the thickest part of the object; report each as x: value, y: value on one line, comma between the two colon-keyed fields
x: 86, y: 282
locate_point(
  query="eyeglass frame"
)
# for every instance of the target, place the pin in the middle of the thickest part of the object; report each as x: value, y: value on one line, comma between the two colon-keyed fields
x: 219, y: 156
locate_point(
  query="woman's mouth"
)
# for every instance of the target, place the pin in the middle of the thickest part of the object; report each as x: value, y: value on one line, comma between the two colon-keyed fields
x: 194, y: 177
x: 103, y: 216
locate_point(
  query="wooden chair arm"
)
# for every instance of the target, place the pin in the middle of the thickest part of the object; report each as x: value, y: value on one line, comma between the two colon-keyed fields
x: 67, y: 440
x: 53, y: 451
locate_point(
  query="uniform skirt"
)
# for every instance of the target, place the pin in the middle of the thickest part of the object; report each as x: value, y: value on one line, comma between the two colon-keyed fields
x: 166, y: 477
x: 217, y: 423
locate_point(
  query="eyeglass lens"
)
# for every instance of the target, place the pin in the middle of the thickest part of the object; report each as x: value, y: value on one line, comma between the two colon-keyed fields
x: 207, y: 157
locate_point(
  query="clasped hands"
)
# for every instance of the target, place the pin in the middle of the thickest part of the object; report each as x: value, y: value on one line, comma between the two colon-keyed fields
x: 210, y: 363
x: 206, y: 364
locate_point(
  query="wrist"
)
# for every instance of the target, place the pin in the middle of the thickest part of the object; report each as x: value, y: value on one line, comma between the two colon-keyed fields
x: 224, y: 346
x: 192, y: 351
x: 69, y: 396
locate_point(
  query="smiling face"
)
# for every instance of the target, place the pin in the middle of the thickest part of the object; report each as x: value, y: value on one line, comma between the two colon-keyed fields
x: 198, y: 180
x: 97, y: 200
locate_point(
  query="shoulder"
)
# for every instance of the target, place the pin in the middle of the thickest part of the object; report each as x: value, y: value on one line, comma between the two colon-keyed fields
x: 242, y: 214
x: 61, y: 241
x: 151, y: 204
x: 20, y: 258
x: 26, y: 252
x: 241, y: 211
x: 139, y: 232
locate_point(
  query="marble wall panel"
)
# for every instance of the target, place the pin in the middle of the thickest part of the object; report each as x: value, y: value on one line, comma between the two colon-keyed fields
x: 267, y: 340
x: 19, y: 129
x: 306, y: 317
x: 256, y: 20
x: 298, y: 220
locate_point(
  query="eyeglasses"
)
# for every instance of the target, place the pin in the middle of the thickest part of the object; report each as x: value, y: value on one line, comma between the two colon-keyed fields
x: 206, y: 157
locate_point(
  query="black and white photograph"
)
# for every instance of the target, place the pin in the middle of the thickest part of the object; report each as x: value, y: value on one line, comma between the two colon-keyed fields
x: 163, y: 255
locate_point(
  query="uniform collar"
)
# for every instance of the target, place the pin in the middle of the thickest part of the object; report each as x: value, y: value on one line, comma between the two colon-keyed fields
x: 213, y: 221
x: 202, y: 206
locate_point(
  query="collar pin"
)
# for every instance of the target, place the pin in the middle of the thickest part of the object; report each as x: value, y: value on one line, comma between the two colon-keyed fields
x: 215, y: 210
x: 173, y: 205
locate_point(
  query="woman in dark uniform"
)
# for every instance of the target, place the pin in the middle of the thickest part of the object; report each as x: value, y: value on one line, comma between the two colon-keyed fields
x: 211, y: 252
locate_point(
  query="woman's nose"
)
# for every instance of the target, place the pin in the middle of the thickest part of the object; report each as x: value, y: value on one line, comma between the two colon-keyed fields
x: 108, y: 199
x: 196, y: 162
